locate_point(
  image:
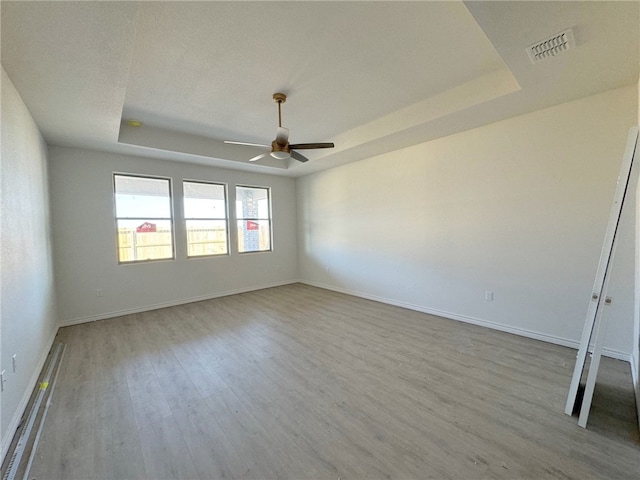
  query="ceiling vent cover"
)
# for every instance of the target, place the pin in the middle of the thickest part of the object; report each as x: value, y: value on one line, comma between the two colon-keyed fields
x: 552, y: 46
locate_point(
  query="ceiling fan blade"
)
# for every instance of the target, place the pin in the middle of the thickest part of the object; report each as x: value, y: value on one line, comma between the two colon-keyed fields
x: 299, y: 157
x: 248, y: 144
x: 282, y: 137
x: 307, y: 146
x: 259, y: 157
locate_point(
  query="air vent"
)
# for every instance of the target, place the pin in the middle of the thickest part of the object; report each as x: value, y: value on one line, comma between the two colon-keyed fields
x: 552, y: 46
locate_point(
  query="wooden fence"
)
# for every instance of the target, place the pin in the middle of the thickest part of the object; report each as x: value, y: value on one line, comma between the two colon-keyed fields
x: 136, y: 246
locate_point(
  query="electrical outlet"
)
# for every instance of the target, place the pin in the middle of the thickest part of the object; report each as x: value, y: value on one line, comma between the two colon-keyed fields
x: 13, y: 362
x: 99, y: 292
x: 488, y: 296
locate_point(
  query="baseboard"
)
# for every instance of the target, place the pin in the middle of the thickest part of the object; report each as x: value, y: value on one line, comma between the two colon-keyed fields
x: 636, y: 383
x: 8, y: 434
x: 611, y: 353
x: 173, y: 303
x: 565, y: 342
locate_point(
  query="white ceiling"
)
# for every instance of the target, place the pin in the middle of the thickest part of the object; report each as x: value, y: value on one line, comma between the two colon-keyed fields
x: 369, y: 76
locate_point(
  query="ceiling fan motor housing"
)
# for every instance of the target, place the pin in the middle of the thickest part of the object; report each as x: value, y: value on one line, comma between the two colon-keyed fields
x: 276, y: 147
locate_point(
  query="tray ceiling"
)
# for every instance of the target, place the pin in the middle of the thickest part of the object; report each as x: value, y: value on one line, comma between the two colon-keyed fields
x: 369, y: 76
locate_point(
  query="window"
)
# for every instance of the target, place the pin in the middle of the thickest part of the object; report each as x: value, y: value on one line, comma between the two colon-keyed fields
x: 205, y: 213
x: 143, y: 218
x: 253, y: 213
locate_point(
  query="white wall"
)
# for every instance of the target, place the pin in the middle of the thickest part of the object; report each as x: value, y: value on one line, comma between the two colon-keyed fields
x: 85, y: 239
x: 28, y: 316
x: 518, y: 207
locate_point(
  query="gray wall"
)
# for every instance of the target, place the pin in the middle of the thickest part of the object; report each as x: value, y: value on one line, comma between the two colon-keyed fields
x: 26, y: 286
x: 518, y: 207
x: 84, y: 235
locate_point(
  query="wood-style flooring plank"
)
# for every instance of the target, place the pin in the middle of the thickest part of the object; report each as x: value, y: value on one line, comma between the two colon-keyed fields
x: 165, y: 452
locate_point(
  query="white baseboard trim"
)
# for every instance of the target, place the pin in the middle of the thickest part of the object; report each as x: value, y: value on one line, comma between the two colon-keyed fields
x: 636, y: 383
x: 8, y: 434
x: 173, y: 303
x: 565, y: 342
x: 618, y: 355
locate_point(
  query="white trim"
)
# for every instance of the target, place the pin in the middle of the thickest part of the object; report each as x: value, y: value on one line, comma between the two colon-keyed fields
x: 19, y: 412
x: 565, y: 342
x: 173, y: 303
x: 636, y: 383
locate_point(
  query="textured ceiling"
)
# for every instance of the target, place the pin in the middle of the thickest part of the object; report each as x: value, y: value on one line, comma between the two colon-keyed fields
x: 369, y: 76
x: 342, y: 64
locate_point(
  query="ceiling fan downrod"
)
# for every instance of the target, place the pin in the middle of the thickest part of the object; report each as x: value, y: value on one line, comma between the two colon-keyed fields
x: 279, y: 98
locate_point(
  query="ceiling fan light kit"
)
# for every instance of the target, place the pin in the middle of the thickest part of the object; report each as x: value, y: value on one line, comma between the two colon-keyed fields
x: 280, y: 155
x: 280, y: 147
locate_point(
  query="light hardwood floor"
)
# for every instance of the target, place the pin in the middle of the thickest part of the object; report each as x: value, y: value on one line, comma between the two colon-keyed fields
x: 303, y: 383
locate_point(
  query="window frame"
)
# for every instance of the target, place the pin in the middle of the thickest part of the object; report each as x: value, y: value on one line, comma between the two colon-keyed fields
x: 226, y: 218
x: 171, y: 218
x: 258, y: 219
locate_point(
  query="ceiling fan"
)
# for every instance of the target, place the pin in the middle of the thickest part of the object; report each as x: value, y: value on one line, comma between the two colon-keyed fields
x: 280, y: 147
